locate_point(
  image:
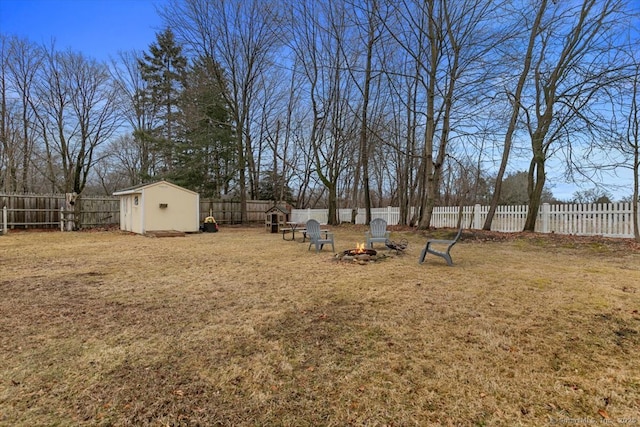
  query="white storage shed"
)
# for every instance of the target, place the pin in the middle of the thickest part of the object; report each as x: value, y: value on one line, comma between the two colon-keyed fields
x: 159, y: 206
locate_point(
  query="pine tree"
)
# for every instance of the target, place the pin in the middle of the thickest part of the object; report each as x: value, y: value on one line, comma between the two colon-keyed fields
x: 206, y: 157
x: 163, y: 68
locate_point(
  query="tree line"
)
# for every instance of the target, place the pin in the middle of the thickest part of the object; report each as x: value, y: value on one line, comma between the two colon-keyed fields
x: 336, y: 103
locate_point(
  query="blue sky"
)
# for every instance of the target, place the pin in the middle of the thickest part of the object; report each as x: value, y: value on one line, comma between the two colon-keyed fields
x: 97, y: 28
x: 102, y: 28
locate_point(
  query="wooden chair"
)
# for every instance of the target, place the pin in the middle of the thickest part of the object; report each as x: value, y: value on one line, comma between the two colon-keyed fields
x: 377, y: 232
x: 315, y: 236
x: 445, y: 253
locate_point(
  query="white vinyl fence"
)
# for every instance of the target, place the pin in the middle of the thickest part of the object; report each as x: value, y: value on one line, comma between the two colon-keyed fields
x: 591, y: 219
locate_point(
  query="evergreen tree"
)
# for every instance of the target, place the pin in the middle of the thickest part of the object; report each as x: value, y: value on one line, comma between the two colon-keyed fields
x: 206, y: 156
x: 514, y: 190
x: 273, y: 186
x: 163, y: 68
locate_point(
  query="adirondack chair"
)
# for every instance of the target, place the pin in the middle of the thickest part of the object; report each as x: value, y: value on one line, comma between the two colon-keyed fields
x: 445, y: 253
x: 377, y: 232
x: 315, y: 236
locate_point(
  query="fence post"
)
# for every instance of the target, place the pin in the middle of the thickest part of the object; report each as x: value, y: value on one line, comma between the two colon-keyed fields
x: 4, y: 220
x: 477, y: 220
x: 546, y: 209
x: 61, y: 218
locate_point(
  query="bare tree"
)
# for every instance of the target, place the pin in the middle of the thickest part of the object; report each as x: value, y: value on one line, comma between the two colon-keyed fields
x: 24, y: 61
x: 633, y: 143
x: 124, y: 160
x: 21, y: 61
x: 371, y: 34
x: 401, y: 147
x: 7, y: 160
x: 318, y: 38
x: 622, y: 149
x: 515, y: 98
x: 302, y: 163
x: 448, y: 40
x: 139, y: 113
x: 570, y: 68
x: 78, y: 114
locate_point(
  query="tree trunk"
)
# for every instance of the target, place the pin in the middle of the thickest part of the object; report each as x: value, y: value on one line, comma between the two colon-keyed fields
x: 636, y: 190
x: 536, y: 185
x: 332, y: 205
x: 364, y: 144
x: 242, y: 180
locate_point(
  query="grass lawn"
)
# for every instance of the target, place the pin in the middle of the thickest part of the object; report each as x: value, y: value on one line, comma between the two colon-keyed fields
x: 243, y: 328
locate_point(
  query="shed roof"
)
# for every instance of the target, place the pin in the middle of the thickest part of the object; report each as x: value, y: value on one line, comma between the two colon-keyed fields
x: 137, y: 189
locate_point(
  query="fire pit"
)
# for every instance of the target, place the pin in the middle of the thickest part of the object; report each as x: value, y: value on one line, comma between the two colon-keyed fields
x: 359, y: 255
x: 356, y: 252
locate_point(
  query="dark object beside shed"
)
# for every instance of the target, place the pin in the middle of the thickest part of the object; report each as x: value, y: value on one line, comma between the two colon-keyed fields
x: 210, y: 225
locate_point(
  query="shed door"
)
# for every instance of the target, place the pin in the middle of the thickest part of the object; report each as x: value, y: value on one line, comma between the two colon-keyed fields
x: 274, y: 223
x: 125, y: 214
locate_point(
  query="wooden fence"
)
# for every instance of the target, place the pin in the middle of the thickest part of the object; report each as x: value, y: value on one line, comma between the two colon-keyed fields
x: 25, y: 211
x: 46, y: 210
x: 32, y: 210
x: 228, y: 212
x: 98, y: 212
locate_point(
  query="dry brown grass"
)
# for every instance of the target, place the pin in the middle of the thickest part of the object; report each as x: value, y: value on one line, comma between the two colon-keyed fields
x: 243, y: 328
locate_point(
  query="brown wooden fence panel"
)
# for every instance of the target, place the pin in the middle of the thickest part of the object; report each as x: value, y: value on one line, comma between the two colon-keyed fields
x: 43, y: 210
x: 228, y: 211
x: 256, y: 210
x: 99, y: 211
x: 32, y: 210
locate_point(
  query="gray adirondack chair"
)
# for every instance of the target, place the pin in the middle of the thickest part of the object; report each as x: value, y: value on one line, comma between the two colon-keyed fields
x: 315, y: 236
x: 377, y: 232
x: 445, y: 244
